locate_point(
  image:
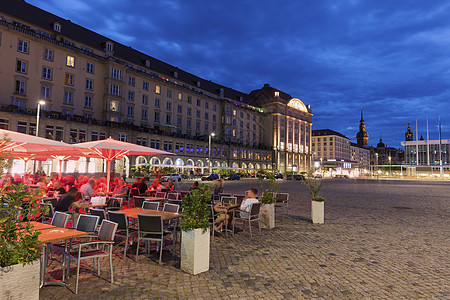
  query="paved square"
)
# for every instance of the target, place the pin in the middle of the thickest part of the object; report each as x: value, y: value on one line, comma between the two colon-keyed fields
x: 380, y: 240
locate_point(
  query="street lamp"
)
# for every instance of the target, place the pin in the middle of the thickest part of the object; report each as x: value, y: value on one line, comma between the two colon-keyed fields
x: 41, y: 102
x: 390, y: 171
x: 209, y: 151
x: 376, y: 155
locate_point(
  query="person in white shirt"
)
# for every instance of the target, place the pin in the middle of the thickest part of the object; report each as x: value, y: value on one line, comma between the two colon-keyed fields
x: 87, y: 189
x: 250, y: 198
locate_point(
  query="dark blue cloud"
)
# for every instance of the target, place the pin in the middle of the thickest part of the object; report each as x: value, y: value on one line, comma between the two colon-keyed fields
x: 389, y: 56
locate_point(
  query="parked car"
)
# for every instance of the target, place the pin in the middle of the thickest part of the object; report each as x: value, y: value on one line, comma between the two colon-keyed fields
x: 175, y: 177
x: 298, y: 177
x: 318, y: 175
x: 210, y: 177
x: 278, y: 176
x: 233, y: 177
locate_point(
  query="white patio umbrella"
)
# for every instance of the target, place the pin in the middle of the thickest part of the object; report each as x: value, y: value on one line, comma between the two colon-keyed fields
x: 111, y: 149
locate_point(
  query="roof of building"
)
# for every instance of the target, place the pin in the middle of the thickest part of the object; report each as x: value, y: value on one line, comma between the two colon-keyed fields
x: 266, y: 94
x: 77, y: 33
x: 320, y: 132
x: 359, y: 146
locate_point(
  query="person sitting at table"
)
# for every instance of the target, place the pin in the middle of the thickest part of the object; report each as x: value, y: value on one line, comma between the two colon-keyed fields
x: 194, y: 186
x: 249, y: 199
x: 136, y: 183
x: 170, y: 185
x: 68, y: 200
x: 42, y: 184
x: 87, y: 189
x: 58, y: 188
x: 142, y: 186
x: 121, y: 189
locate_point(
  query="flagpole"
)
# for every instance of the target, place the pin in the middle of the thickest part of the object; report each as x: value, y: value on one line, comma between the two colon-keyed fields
x: 440, y: 149
x: 417, y: 145
x: 428, y: 145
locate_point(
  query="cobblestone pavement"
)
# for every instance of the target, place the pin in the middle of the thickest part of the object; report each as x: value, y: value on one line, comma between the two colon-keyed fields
x: 380, y: 240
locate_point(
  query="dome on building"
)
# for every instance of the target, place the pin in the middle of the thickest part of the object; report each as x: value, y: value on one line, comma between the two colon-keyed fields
x: 297, y: 104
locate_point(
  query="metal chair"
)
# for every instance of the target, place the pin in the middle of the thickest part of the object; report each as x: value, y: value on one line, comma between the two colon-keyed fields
x: 228, y: 200
x: 212, y: 219
x: 239, y: 198
x: 123, y: 230
x: 150, y: 228
x: 114, y: 203
x: 47, y: 212
x: 85, y: 250
x: 283, y: 201
x: 60, y: 219
x: 173, y: 196
x: 154, y: 205
x: 160, y: 195
x: 249, y: 217
x: 52, y: 201
x: 173, y: 208
x: 133, y: 192
x: 224, y: 195
x: 138, y: 201
x: 100, y: 213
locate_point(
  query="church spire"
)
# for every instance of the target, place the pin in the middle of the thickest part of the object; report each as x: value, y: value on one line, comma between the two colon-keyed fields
x: 362, y: 137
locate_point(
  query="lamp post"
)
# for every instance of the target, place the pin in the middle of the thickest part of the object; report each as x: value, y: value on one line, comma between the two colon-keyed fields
x: 390, y: 171
x: 376, y: 155
x: 38, y: 115
x: 209, y: 151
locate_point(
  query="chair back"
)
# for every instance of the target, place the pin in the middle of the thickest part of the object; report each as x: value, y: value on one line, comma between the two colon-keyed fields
x: 114, y: 202
x: 212, y: 213
x: 254, y: 210
x: 150, y: 224
x: 173, y: 196
x: 282, y: 197
x: 228, y: 200
x: 160, y: 194
x: 154, y: 205
x: 138, y: 201
x: 107, y: 231
x: 47, y: 210
x: 100, y: 213
x: 87, y: 223
x: 165, y: 190
x: 183, y: 194
x: 134, y: 192
x: 79, y: 196
x: 177, y: 202
x: 173, y: 208
x: 119, y: 218
x: 239, y: 198
x: 224, y: 195
x: 60, y: 219
x: 52, y: 201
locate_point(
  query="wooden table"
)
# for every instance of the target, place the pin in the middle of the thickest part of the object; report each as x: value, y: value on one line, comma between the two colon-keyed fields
x: 155, y: 199
x: 41, y: 226
x: 133, y: 212
x: 98, y: 205
x: 53, y: 235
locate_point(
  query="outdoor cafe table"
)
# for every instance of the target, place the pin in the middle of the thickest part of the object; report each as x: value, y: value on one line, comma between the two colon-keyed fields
x: 52, y: 235
x: 41, y: 226
x: 228, y: 207
x: 155, y: 199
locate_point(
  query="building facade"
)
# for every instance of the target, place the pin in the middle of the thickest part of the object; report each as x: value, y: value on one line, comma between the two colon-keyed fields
x: 94, y: 88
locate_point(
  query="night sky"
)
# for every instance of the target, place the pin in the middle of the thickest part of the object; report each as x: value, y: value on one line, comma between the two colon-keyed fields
x: 392, y: 57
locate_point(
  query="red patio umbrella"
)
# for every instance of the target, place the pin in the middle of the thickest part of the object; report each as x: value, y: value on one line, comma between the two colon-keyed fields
x: 111, y: 149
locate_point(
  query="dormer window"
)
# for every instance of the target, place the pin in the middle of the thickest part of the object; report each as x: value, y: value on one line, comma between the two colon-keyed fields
x: 109, y: 46
x: 147, y: 63
x: 175, y: 74
x: 198, y: 83
x: 277, y: 94
x: 57, y: 27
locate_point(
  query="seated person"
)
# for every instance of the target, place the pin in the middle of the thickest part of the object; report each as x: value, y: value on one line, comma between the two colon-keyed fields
x: 121, y: 189
x: 195, y: 186
x: 142, y: 185
x: 249, y: 199
x: 68, y: 200
x: 59, y: 188
x: 221, y: 217
x: 170, y: 185
x: 87, y: 189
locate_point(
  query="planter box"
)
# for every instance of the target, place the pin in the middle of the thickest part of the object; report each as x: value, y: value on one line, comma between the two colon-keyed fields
x: 195, y: 251
x: 317, y: 212
x: 20, y: 281
x: 267, y: 216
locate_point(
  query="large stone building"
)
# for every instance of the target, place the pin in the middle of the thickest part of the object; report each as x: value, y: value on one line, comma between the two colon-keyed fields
x: 94, y: 87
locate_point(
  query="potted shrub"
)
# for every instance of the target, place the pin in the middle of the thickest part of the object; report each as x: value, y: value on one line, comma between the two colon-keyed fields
x: 195, y: 231
x: 19, y: 244
x: 268, y: 199
x: 317, y: 203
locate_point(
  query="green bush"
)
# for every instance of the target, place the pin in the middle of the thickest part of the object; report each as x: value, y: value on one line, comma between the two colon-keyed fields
x: 196, y: 210
x: 269, y: 189
x: 314, y: 185
x: 19, y: 243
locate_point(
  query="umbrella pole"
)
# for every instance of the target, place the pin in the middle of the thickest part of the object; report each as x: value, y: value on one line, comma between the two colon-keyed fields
x: 25, y: 167
x: 108, y: 175
x: 60, y: 166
